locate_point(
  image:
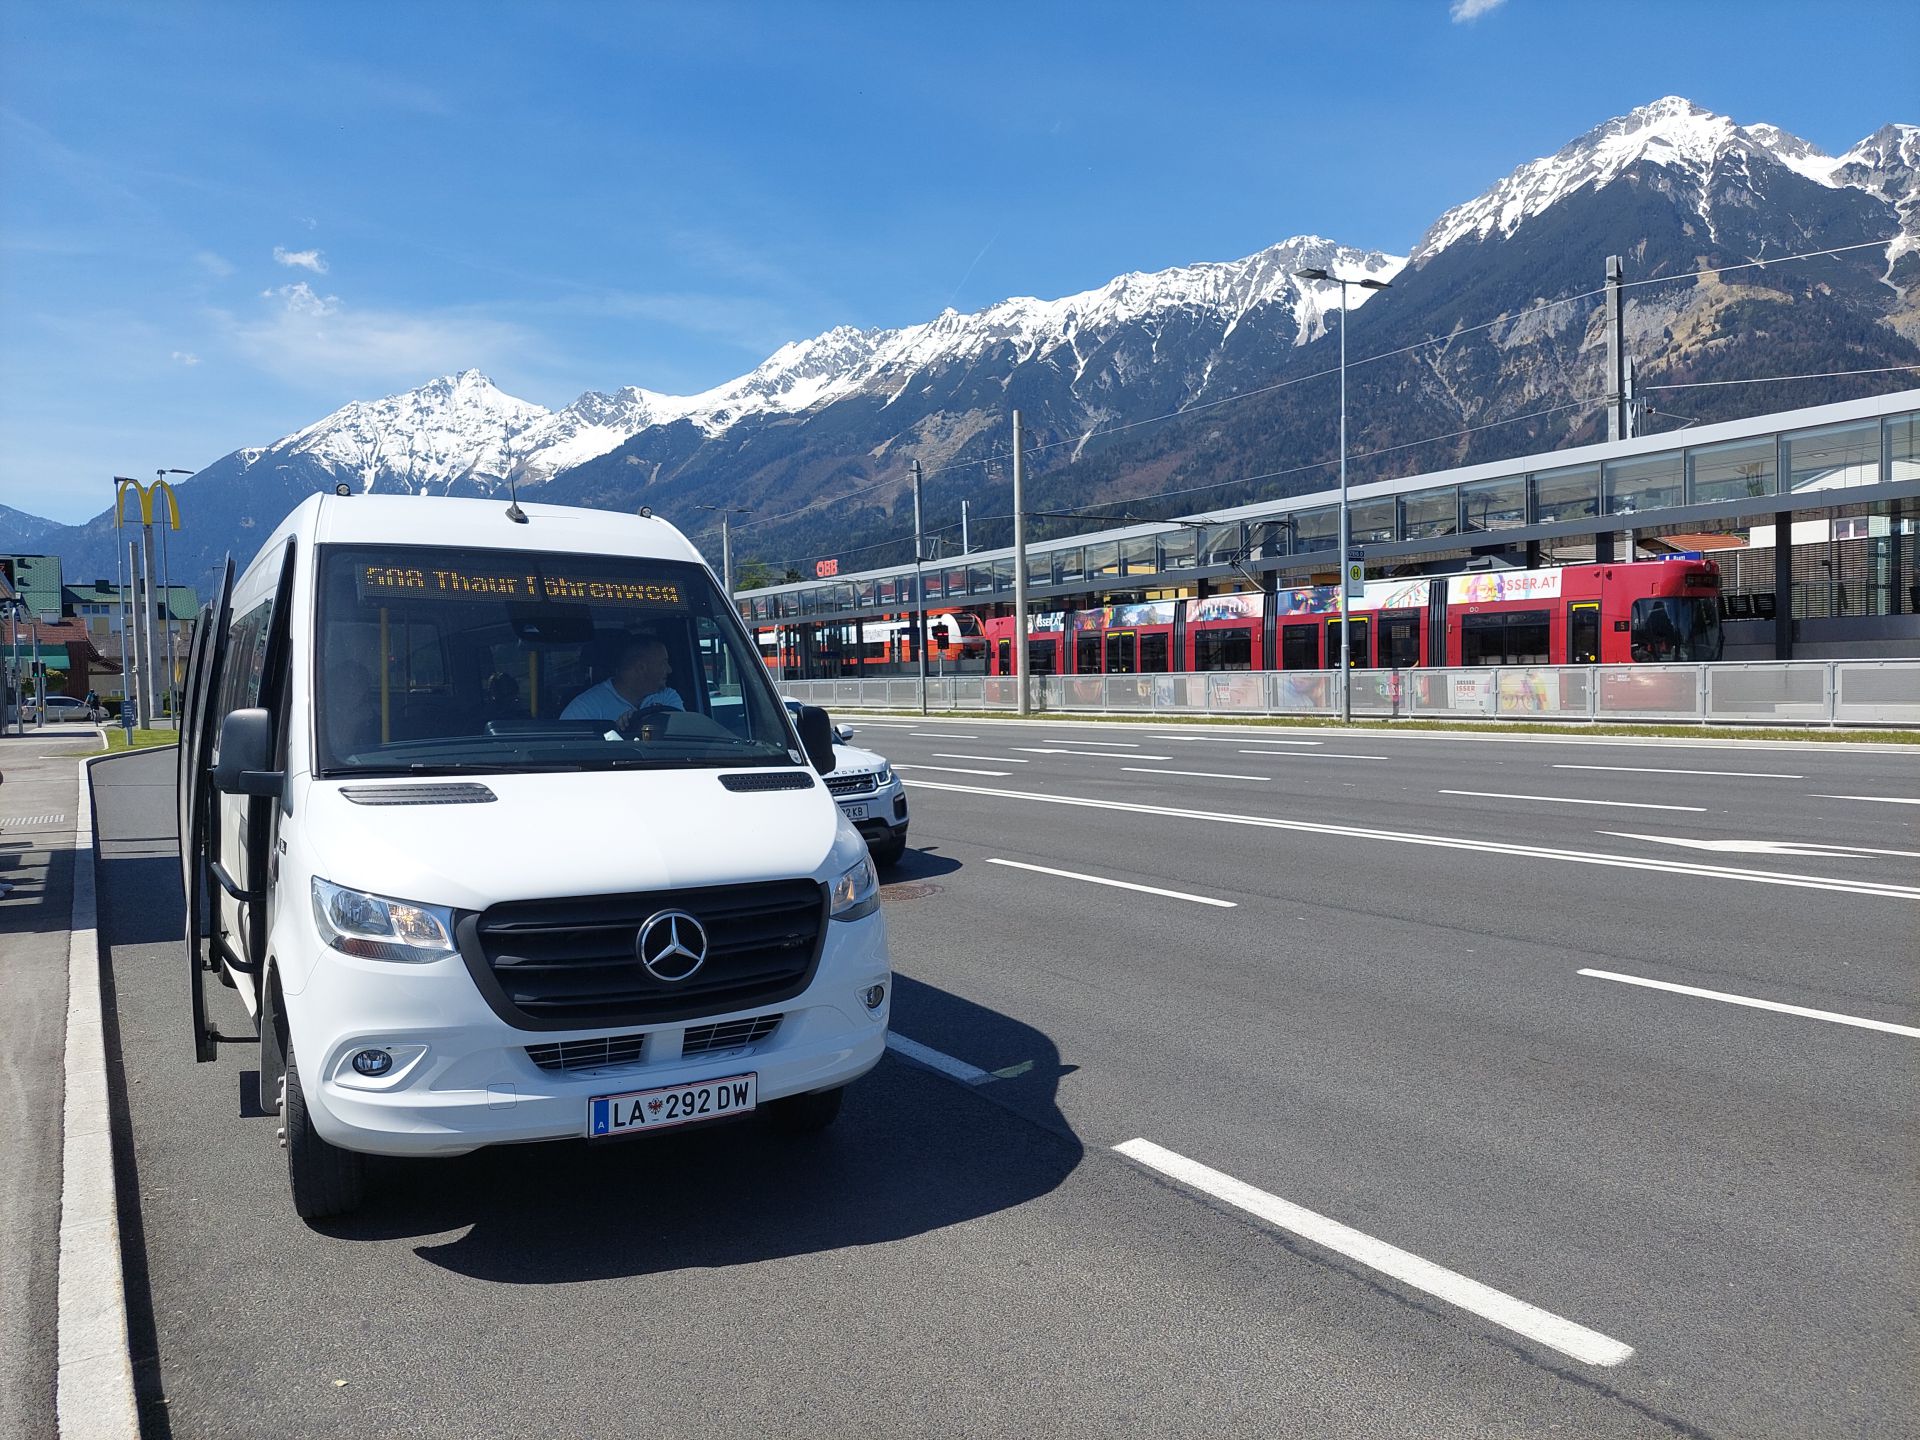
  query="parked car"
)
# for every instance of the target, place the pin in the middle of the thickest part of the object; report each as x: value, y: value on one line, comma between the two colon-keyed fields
x: 63, y: 707
x: 870, y: 794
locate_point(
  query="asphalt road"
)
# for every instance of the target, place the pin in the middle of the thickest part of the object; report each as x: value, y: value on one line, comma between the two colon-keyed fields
x: 1380, y: 1019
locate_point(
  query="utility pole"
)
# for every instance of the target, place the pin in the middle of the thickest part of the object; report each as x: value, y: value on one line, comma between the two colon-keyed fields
x: 919, y: 590
x: 166, y: 593
x: 1617, y: 426
x: 966, y: 547
x: 726, y: 555
x: 1019, y: 566
x: 132, y: 677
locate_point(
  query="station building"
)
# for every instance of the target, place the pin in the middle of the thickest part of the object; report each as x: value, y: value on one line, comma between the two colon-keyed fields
x: 1810, y: 515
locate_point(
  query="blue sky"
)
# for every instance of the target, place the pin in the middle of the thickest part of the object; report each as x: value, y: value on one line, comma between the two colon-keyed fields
x: 218, y: 222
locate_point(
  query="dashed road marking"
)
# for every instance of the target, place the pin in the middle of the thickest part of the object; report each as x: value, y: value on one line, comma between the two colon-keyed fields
x: 1119, y: 884
x: 1830, y: 1015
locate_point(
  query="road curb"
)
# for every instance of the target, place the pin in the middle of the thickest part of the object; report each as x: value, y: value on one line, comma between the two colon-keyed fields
x: 94, y: 1384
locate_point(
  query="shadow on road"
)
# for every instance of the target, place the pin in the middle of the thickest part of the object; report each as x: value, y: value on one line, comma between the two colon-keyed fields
x: 912, y: 1152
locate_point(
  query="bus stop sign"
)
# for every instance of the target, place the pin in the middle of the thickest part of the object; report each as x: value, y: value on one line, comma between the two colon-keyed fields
x: 1356, y: 580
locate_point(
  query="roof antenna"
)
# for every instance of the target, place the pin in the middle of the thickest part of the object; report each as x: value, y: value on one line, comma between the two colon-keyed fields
x: 514, y: 512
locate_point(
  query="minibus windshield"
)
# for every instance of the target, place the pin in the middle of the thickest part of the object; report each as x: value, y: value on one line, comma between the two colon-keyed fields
x: 442, y: 661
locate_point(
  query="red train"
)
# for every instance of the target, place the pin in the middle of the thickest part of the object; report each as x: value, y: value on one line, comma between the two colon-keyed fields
x: 1653, y: 610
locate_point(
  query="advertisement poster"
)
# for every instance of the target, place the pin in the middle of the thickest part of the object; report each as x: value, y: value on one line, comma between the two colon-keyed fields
x: 1247, y: 606
x: 1528, y: 692
x: 1491, y: 586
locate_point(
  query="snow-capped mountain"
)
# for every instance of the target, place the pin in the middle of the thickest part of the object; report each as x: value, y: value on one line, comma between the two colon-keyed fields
x: 820, y: 433
x: 1679, y: 136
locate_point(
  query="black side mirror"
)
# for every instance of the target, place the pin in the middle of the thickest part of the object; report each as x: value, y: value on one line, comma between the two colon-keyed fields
x: 816, y: 738
x: 243, y: 753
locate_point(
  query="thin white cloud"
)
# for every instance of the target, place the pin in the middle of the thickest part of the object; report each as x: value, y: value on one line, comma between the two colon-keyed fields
x: 215, y: 265
x: 1464, y: 11
x: 316, y: 339
x: 312, y: 260
x: 185, y: 357
x: 299, y: 299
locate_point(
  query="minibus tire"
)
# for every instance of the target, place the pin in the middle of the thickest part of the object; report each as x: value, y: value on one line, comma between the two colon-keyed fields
x: 325, y: 1179
x: 806, y: 1114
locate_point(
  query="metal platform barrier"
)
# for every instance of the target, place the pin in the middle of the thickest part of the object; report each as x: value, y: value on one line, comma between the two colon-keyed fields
x: 1774, y: 693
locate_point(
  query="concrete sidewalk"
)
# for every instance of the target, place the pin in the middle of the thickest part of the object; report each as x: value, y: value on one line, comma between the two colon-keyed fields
x: 39, y: 802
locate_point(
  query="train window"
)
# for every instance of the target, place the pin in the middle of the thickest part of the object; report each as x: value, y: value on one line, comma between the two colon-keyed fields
x: 1086, y: 652
x: 1225, y: 649
x: 1674, y: 628
x: 1120, y: 653
x: 1400, y: 639
x: 1515, y: 638
x: 1300, y: 647
x: 1156, y: 651
x: 1042, y: 657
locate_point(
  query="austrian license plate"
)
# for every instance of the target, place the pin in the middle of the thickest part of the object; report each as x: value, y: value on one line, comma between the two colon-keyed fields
x: 636, y: 1110
x: 855, y: 812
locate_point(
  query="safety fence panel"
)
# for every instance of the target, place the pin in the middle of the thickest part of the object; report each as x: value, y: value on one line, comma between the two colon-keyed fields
x: 1674, y: 693
x: 1303, y: 692
x: 1876, y: 692
x: 1450, y: 694
x: 1782, y: 692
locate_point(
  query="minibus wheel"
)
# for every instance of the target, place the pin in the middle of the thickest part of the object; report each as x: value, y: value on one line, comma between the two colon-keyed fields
x: 326, y: 1180
x: 806, y: 1114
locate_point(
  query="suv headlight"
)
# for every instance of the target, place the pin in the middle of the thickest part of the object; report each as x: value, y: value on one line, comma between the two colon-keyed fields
x: 856, y: 894
x: 376, y: 928
x: 883, y: 777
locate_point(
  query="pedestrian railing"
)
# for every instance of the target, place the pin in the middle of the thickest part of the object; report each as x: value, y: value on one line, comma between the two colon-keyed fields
x: 1787, y: 692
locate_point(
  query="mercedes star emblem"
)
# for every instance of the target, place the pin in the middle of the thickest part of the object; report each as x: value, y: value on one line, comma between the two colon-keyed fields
x: 672, y: 945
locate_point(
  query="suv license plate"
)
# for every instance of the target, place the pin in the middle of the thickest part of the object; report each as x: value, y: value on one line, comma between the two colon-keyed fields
x: 854, y: 812
x: 636, y: 1110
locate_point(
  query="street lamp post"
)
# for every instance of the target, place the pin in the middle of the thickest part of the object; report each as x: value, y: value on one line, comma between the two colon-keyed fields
x: 1346, y: 637
x: 727, y: 512
x: 166, y: 608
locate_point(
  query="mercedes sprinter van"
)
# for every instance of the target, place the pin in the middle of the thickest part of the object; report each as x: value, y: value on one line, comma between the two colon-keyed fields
x: 495, y: 821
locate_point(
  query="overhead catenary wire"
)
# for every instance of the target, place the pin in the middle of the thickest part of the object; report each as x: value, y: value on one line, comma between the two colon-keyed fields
x: 1780, y: 379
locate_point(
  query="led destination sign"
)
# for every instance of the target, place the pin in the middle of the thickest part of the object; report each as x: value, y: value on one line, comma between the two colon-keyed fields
x: 453, y: 582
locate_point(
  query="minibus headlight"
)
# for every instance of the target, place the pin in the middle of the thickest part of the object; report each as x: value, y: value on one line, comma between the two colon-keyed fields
x: 856, y: 894
x: 376, y: 928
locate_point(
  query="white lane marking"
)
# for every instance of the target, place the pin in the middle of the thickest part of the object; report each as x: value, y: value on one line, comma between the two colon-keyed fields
x: 1201, y: 774
x: 951, y: 770
x: 1658, y: 865
x: 1109, y: 744
x: 1802, y: 848
x: 1748, y: 1000
x: 1086, y: 754
x: 941, y: 735
x: 1588, y: 1346
x: 1231, y: 740
x: 926, y: 1055
x: 1662, y: 770
x: 1571, y: 800
x: 1316, y: 755
x: 1119, y: 884
x: 1877, y: 799
x: 990, y: 759
x: 877, y: 725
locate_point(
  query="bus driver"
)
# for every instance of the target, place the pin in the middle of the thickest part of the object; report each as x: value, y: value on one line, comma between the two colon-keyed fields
x: 638, y: 682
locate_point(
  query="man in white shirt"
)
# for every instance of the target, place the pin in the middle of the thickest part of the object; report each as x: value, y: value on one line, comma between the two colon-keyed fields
x: 638, y: 682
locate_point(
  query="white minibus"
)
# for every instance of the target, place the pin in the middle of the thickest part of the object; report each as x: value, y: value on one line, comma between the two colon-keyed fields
x: 494, y: 820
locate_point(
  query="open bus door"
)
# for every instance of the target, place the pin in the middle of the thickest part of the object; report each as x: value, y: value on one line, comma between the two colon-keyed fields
x: 200, y: 722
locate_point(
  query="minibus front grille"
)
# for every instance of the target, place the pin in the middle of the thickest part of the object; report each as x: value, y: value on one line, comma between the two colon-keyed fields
x: 567, y: 964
